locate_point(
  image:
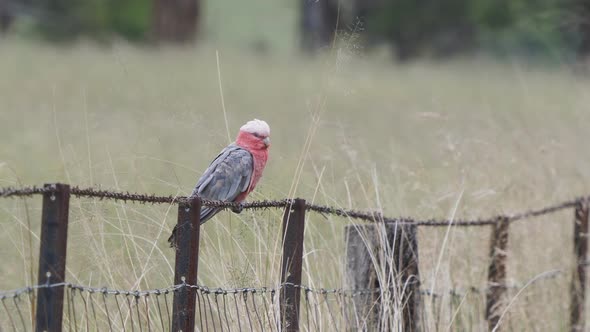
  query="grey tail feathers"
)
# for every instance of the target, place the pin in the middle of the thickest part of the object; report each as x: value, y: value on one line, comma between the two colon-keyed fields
x: 172, y: 238
x: 206, y: 214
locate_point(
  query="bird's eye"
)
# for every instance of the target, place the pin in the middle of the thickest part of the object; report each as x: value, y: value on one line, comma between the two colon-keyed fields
x: 255, y: 134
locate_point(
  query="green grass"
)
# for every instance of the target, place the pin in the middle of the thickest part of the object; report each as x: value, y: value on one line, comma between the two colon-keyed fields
x: 417, y: 140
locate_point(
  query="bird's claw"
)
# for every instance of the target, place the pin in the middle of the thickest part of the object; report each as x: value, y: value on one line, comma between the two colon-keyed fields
x: 238, y: 208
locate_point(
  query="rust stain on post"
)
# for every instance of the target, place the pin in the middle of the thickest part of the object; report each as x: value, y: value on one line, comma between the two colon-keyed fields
x: 291, y: 264
x: 578, y: 285
x: 496, y: 292
x: 186, y: 265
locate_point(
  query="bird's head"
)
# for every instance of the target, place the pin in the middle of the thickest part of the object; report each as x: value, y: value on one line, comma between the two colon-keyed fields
x: 254, y: 135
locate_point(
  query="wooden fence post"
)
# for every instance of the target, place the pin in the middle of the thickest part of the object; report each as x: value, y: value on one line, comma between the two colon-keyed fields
x: 186, y: 265
x: 361, y: 273
x: 291, y: 264
x: 52, y: 257
x: 496, y: 290
x: 406, y: 244
x: 578, y: 285
x: 395, y: 250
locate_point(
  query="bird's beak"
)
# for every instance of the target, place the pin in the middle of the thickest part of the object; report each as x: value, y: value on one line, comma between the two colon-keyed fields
x: 266, y: 141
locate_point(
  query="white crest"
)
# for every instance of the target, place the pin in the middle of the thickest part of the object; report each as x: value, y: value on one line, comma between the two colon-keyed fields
x: 256, y: 126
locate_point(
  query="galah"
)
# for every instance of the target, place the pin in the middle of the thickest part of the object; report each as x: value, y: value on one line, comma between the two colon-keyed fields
x: 234, y: 173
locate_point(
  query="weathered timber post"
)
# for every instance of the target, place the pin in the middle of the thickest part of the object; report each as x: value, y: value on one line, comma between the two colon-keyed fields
x: 578, y: 286
x: 406, y: 244
x: 361, y: 273
x: 186, y: 265
x: 52, y: 257
x: 372, y: 252
x: 291, y: 264
x: 496, y: 290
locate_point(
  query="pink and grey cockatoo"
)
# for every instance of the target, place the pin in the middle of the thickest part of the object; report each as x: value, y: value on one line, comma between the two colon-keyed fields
x: 235, y: 171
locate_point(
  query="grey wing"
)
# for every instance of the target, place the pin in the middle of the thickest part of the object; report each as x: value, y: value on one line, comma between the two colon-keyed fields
x: 227, y: 177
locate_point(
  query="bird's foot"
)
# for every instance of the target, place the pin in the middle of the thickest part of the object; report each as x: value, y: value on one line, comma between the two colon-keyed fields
x: 237, y: 209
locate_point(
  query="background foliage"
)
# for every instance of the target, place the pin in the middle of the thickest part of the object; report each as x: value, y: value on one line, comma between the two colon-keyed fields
x: 455, y: 26
x: 412, y: 27
x: 66, y: 19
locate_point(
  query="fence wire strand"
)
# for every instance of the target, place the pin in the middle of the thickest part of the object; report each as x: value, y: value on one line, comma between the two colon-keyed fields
x: 218, y: 309
x: 266, y: 204
x: 247, y: 308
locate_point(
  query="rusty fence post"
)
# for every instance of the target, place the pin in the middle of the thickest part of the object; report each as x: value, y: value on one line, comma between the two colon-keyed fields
x: 374, y: 250
x: 52, y: 257
x: 578, y: 285
x: 291, y: 264
x: 496, y: 290
x: 186, y: 265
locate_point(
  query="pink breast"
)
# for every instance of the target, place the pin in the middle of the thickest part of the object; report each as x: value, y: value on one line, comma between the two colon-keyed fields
x: 260, y: 157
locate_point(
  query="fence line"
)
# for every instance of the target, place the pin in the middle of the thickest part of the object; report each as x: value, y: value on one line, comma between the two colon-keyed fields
x: 350, y: 292
x: 251, y: 301
x: 290, y: 305
x: 457, y: 293
x: 321, y: 209
x: 6, y: 294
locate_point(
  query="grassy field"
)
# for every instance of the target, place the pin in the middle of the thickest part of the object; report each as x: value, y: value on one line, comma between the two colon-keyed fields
x: 469, y: 138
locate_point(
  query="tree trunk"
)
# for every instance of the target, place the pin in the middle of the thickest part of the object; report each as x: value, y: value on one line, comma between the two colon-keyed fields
x: 580, y: 10
x: 175, y: 20
x: 318, y: 24
x: 6, y: 16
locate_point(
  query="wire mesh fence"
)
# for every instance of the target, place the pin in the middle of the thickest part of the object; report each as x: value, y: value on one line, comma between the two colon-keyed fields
x: 235, y: 309
x: 94, y: 309
x: 238, y: 309
x: 289, y: 306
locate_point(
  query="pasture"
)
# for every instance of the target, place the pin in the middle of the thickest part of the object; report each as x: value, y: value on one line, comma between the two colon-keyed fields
x: 467, y: 138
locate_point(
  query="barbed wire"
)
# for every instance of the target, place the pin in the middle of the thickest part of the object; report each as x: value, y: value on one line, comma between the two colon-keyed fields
x: 250, y: 309
x: 204, y: 289
x: 378, y: 217
x: 93, y: 308
x: 25, y: 191
x: 140, y: 198
x: 215, y: 308
x: 265, y: 204
x: 262, y: 290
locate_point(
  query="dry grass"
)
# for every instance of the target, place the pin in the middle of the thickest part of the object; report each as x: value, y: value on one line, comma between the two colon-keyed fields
x: 467, y: 139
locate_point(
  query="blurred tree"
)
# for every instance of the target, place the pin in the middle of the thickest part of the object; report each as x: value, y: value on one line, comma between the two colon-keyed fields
x: 318, y: 23
x: 130, y: 18
x: 413, y: 28
x: 66, y: 19
x: 443, y: 28
x: 6, y: 16
x: 175, y: 20
x: 62, y: 20
x: 582, y: 8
